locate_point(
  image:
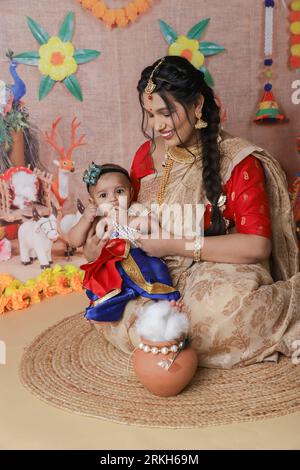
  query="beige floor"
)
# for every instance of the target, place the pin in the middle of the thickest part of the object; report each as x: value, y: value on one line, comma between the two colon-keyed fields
x: 28, y: 423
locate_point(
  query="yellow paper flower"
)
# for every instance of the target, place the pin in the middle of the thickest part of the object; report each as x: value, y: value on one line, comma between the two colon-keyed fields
x: 56, y: 59
x: 188, y: 48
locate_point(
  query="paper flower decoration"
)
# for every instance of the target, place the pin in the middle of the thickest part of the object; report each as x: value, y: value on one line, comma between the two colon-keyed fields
x: 57, y: 59
x: 189, y: 46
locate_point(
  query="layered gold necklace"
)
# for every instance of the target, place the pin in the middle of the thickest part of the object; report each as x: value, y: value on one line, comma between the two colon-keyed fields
x: 180, y: 155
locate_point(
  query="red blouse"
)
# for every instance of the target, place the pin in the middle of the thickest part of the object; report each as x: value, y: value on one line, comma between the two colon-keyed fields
x: 247, y: 203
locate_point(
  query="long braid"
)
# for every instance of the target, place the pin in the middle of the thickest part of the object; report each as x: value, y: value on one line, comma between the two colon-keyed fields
x: 211, y: 162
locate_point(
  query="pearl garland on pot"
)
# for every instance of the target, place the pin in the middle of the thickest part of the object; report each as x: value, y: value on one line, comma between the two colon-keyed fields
x: 164, y: 361
x: 164, y: 350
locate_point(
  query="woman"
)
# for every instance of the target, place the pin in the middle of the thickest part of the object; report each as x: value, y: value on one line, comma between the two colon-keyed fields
x: 241, y: 290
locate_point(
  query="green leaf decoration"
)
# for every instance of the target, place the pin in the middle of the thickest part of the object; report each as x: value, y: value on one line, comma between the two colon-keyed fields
x: 82, y: 56
x: 207, y: 76
x: 210, y: 48
x: 196, y: 31
x: 73, y: 86
x: 67, y: 28
x: 169, y: 34
x: 38, y: 32
x: 46, y: 86
x: 28, y: 58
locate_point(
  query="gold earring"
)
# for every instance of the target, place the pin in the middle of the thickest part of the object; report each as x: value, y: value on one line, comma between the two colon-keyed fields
x: 200, y: 123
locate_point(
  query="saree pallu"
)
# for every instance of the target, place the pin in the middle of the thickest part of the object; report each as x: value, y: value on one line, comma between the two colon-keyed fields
x: 239, y: 314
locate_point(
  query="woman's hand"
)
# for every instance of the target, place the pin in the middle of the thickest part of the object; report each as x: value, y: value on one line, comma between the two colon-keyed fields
x: 159, y: 243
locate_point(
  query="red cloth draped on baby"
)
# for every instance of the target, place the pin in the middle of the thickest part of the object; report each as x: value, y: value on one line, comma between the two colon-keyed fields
x: 102, y: 276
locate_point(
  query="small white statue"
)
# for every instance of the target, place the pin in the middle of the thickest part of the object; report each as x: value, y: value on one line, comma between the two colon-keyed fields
x: 36, y: 237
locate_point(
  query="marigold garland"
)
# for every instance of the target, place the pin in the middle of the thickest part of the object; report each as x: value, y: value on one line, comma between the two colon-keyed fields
x: 116, y: 16
x: 15, y: 295
x: 295, y: 34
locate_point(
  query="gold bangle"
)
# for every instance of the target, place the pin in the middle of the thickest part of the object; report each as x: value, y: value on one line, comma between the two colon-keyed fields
x: 197, y: 249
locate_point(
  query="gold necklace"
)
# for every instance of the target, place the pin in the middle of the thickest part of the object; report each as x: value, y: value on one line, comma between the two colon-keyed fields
x: 175, y: 154
x: 183, y: 155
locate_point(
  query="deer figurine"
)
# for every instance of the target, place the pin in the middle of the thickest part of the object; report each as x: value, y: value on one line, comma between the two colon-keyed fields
x: 65, y: 164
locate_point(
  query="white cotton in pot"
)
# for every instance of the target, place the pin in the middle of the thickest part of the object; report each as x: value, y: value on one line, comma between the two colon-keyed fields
x: 160, y: 321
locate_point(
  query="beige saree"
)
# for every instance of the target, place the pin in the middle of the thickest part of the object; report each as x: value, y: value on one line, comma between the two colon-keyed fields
x: 239, y: 314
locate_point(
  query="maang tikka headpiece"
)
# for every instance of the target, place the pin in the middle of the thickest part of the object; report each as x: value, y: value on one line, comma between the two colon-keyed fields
x: 151, y: 85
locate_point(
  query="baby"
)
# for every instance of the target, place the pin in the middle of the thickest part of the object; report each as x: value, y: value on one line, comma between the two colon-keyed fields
x: 110, y: 203
x: 122, y: 271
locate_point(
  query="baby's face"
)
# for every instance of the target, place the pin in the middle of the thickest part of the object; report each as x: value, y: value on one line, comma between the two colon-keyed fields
x: 112, y: 190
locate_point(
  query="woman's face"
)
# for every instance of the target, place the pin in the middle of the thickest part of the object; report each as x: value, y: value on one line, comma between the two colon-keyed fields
x: 164, y: 123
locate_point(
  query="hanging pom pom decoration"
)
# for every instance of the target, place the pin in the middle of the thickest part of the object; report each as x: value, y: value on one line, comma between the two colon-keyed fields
x: 295, y: 34
x: 268, y: 109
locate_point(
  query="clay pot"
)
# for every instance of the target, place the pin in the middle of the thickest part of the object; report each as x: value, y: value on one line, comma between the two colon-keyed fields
x: 159, y: 374
x: 17, y: 152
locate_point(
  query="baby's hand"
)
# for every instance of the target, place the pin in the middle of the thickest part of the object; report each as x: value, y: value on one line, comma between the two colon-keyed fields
x: 104, y: 228
x: 90, y: 212
x: 145, y: 224
x: 139, y: 223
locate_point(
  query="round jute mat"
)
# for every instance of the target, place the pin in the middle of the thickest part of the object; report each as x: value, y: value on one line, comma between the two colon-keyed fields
x: 72, y: 366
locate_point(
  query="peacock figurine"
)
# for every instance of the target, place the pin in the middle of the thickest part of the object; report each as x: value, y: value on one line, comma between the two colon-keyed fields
x: 11, y: 94
x: 13, y: 118
x: 18, y: 89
